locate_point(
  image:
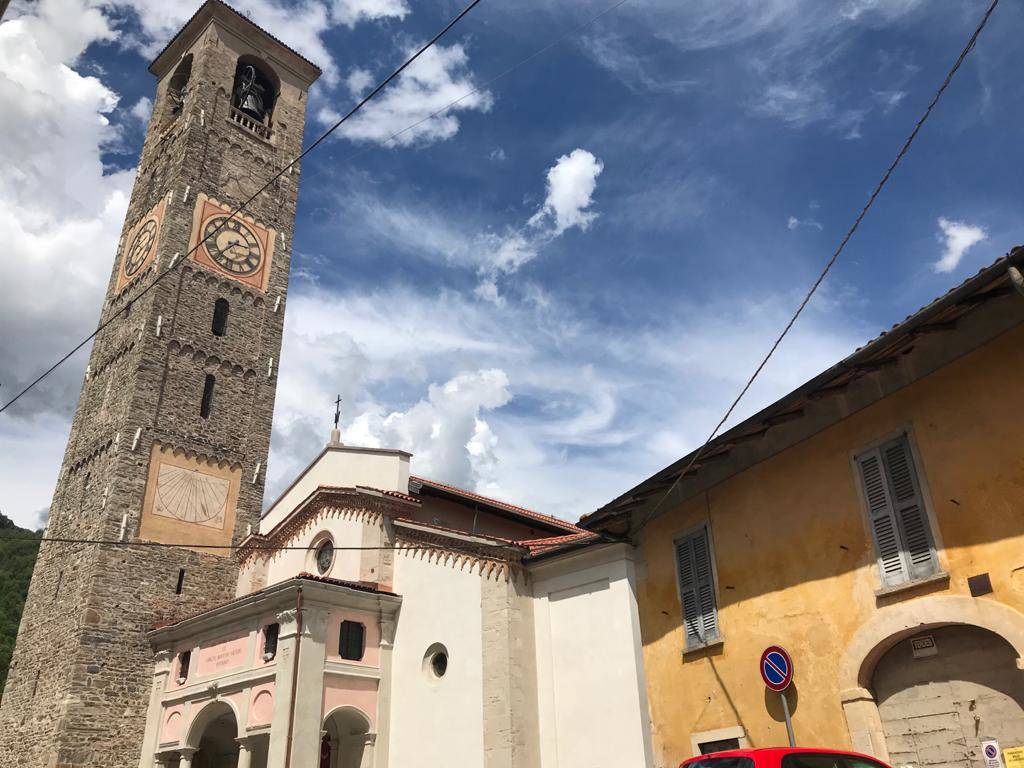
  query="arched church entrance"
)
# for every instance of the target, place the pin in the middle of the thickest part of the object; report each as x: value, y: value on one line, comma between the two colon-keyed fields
x: 347, y: 741
x: 214, y: 735
x: 943, y: 692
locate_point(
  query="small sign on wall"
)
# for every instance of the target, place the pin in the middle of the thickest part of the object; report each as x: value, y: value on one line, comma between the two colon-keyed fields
x: 1014, y: 757
x: 990, y: 751
x: 924, y: 646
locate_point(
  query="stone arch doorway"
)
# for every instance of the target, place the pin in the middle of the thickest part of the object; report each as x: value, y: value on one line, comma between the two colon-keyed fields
x: 347, y: 740
x: 939, y: 703
x: 212, y: 738
x: 997, y: 626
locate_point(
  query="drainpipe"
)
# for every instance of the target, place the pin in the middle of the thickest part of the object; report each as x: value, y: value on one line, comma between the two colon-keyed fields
x: 295, y: 675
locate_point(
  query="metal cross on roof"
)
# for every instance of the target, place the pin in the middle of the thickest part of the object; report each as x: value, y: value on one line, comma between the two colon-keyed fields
x: 337, y: 411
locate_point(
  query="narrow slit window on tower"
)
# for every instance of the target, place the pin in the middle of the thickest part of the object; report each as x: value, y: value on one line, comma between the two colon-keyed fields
x: 221, y: 308
x: 181, y: 581
x: 207, y: 405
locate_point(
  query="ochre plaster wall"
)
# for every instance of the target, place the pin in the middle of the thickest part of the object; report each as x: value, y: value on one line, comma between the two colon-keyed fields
x: 796, y: 566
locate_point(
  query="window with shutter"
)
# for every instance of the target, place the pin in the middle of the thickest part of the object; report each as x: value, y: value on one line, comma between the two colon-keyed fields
x: 697, y: 587
x: 899, y: 522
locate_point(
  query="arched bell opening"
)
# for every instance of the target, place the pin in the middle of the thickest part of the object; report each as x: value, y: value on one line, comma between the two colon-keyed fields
x: 178, y: 84
x: 255, y: 89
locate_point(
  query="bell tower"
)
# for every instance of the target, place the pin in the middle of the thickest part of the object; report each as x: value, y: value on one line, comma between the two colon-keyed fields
x: 170, y: 437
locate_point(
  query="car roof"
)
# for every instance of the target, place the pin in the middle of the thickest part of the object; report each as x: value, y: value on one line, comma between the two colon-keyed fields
x: 779, y: 751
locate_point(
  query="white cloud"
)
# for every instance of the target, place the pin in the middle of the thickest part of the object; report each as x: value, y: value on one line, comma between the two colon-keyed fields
x: 440, y: 76
x: 571, y: 184
x: 597, y: 408
x: 957, y: 238
x: 498, y: 155
x: 350, y: 12
x: 142, y: 109
x: 793, y: 223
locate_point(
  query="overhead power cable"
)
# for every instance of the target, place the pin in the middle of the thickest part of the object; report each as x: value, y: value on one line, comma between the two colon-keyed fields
x: 362, y: 102
x: 194, y: 545
x: 831, y: 262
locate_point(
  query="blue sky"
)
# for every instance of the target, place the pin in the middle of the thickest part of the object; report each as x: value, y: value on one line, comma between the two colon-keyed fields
x: 555, y: 289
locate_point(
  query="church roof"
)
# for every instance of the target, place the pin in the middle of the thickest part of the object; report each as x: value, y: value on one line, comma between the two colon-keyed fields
x: 511, y: 510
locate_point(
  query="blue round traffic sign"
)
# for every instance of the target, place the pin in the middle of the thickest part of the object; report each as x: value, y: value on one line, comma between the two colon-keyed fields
x: 776, y: 668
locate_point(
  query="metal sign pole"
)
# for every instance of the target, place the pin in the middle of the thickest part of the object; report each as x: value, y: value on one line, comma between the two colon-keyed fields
x: 789, y: 720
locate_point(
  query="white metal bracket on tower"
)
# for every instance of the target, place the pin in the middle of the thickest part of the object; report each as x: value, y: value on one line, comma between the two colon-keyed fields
x: 184, y: 197
x: 277, y: 304
x: 256, y: 474
x: 159, y: 324
x: 135, y: 440
x: 270, y: 368
x: 124, y: 525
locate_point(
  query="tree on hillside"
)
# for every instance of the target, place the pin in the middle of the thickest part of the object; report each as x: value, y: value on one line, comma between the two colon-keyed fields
x: 17, y: 559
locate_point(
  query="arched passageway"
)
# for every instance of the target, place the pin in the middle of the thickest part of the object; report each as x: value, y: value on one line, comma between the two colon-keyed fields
x: 939, y: 700
x: 214, y: 733
x: 347, y: 740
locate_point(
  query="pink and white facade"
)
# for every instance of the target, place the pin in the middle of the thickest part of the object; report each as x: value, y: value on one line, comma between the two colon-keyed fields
x: 386, y: 620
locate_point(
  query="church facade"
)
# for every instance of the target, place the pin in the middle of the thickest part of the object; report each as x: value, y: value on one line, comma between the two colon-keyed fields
x: 385, y: 619
x: 370, y: 618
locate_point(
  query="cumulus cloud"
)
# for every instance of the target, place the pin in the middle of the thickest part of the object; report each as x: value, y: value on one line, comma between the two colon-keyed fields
x: 571, y: 184
x: 444, y: 430
x: 440, y: 76
x: 957, y: 238
x: 142, y: 109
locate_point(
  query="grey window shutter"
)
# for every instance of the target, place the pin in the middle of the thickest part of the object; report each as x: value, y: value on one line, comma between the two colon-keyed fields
x: 697, y: 587
x: 899, y: 523
x: 882, y: 517
x: 915, y: 531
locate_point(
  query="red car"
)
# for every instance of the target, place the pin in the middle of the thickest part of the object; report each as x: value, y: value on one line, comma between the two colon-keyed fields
x: 783, y: 757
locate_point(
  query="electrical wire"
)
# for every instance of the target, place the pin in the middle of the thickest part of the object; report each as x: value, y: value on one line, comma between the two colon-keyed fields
x: 380, y: 87
x: 194, y: 545
x: 831, y: 262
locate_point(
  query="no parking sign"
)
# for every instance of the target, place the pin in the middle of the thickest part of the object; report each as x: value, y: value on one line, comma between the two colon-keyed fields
x: 990, y: 750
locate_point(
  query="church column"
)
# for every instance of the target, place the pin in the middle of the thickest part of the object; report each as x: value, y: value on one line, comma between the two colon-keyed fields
x: 161, y: 671
x: 369, y: 739
x: 387, y: 644
x: 244, y: 751
x: 187, y: 753
x: 308, y: 683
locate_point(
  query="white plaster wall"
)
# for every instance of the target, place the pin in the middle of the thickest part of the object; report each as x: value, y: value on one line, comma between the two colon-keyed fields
x: 346, y: 467
x: 346, y: 532
x: 437, y: 724
x: 591, y: 691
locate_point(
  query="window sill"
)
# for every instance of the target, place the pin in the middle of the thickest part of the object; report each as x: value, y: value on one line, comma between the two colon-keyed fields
x: 942, y: 577
x: 709, y: 646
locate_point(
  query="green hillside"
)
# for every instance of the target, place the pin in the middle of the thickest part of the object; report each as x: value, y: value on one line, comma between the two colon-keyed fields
x: 16, y: 561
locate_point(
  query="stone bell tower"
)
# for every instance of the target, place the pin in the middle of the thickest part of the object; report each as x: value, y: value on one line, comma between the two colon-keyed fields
x: 170, y: 437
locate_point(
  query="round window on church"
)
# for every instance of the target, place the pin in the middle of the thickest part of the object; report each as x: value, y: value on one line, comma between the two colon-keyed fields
x: 435, y: 662
x: 325, y: 557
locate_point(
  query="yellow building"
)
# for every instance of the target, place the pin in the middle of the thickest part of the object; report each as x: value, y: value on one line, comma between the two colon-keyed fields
x: 872, y: 523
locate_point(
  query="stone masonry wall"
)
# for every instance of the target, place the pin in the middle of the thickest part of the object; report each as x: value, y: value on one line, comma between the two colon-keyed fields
x: 79, y: 683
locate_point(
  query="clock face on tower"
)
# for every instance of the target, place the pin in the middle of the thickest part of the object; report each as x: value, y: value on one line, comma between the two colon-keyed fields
x: 236, y: 246
x: 140, y: 245
x: 232, y: 245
